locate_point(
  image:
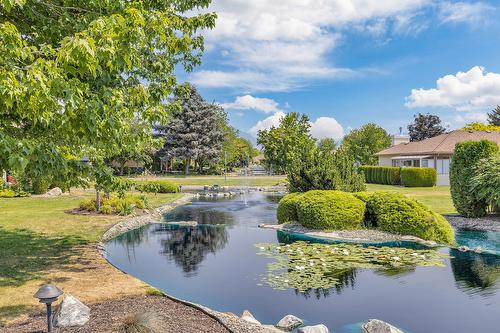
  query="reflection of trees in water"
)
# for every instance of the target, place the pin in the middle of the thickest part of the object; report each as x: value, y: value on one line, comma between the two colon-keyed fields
x: 131, y: 239
x: 474, y: 271
x: 346, y: 279
x: 202, y: 215
x: 188, y: 246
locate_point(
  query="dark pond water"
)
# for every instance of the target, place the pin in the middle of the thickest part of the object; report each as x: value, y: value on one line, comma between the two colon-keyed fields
x: 217, y: 265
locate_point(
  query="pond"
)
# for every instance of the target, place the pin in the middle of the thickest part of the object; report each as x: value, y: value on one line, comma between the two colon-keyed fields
x: 217, y: 264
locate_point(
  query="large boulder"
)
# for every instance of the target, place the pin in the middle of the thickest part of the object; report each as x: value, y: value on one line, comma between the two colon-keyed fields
x: 314, y: 329
x: 71, y: 312
x: 289, y: 322
x: 247, y: 316
x: 55, y: 192
x: 379, y: 326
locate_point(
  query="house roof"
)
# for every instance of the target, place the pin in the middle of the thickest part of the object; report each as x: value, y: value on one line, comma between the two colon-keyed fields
x: 443, y: 144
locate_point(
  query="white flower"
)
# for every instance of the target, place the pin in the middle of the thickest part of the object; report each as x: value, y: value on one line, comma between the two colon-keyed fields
x: 262, y: 248
x: 322, y: 259
x: 422, y: 256
x: 286, y: 281
x: 395, y: 258
x: 278, y: 247
x: 311, y: 264
x: 317, y: 252
x: 375, y: 252
x: 299, y: 268
x: 345, y: 252
x: 323, y: 264
x: 287, y: 245
x: 392, y: 251
x: 414, y: 254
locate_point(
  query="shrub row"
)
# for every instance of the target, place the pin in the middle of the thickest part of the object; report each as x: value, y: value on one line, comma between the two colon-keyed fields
x: 410, y: 177
x: 157, y: 186
x: 116, y: 205
x: 418, y: 177
x: 391, y: 212
x: 382, y: 175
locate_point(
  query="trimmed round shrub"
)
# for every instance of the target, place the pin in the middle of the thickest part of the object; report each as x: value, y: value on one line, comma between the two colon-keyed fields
x: 462, y: 171
x: 287, y: 208
x: 418, y: 177
x: 333, y: 210
x: 157, y: 186
x: 397, y: 214
x: 363, y: 196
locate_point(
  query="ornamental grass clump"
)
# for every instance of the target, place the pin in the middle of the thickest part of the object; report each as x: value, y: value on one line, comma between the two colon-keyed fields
x: 330, y: 210
x: 397, y: 214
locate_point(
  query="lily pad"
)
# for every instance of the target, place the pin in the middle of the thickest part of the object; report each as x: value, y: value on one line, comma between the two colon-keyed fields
x: 304, y: 266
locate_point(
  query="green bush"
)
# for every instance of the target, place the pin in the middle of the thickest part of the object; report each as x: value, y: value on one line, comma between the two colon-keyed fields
x: 418, y: 177
x: 397, y: 214
x: 124, y: 207
x: 7, y: 193
x: 330, y: 210
x: 287, y: 208
x: 382, y: 175
x: 485, y: 185
x: 363, y: 196
x: 157, y: 186
x: 106, y: 209
x: 40, y: 185
x: 467, y: 154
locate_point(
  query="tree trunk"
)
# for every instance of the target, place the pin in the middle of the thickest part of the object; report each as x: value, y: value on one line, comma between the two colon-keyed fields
x: 200, y: 167
x: 122, y: 168
x: 187, y: 167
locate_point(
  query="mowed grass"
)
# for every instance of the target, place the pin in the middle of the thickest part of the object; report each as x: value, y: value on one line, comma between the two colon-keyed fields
x: 437, y: 198
x: 220, y: 180
x: 41, y: 243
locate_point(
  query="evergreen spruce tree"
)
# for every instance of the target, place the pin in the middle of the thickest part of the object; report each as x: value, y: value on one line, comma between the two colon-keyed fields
x: 494, y: 116
x: 194, y: 134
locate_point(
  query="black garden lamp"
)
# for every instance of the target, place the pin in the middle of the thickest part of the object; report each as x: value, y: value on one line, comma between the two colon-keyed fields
x: 47, y: 294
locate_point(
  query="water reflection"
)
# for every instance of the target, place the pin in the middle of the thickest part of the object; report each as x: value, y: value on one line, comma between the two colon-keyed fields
x: 189, y: 246
x: 475, y: 273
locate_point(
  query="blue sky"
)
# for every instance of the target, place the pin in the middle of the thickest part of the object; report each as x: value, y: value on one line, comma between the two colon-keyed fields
x: 348, y: 62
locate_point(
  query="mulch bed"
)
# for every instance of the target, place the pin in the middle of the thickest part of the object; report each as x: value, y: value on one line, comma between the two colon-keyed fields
x: 109, y: 316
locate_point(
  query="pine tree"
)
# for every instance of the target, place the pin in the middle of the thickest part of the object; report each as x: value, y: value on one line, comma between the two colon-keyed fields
x: 494, y: 116
x: 425, y: 127
x: 195, y: 133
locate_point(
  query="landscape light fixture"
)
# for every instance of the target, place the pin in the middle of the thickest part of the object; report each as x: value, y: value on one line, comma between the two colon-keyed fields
x: 47, y: 294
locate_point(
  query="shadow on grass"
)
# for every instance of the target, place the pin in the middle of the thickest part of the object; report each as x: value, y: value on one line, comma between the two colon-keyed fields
x: 26, y: 255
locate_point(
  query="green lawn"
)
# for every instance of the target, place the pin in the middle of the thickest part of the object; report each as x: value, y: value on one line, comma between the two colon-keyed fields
x: 437, y: 198
x: 219, y: 180
x: 40, y: 242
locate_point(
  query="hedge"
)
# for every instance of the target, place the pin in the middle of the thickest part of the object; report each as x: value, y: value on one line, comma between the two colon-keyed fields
x: 397, y: 214
x: 382, y: 175
x: 463, y: 162
x: 287, y: 208
x: 157, y: 186
x: 330, y: 210
x: 418, y: 177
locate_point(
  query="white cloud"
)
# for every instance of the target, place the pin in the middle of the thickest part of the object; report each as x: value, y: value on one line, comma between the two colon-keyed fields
x: 249, y: 102
x: 323, y: 127
x: 458, y: 12
x: 326, y: 127
x: 474, y: 93
x: 267, y: 123
x: 283, y: 45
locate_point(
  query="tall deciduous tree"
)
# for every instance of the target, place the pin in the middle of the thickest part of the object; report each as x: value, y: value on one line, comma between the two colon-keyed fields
x: 282, y: 144
x: 494, y: 116
x: 195, y: 133
x: 363, y: 143
x: 425, y: 126
x: 73, y: 74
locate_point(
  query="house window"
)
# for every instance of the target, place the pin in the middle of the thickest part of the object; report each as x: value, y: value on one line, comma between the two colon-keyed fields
x: 443, y: 166
x: 428, y: 163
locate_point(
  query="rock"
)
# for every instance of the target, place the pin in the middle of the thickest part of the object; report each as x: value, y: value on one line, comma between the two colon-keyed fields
x: 289, y: 322
x: 478, y: 249
x: 71, y: 312
x: 184, y: 223
x: 247, y: 316
x: 463, y: 249
x: 55, y: 192
x: 314, y: 329
x: 378, y: 326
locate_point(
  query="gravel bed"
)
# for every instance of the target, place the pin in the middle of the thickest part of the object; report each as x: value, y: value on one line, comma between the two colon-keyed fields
x: 108, y: 316
x: 363, y: 235
x: 487, y: 223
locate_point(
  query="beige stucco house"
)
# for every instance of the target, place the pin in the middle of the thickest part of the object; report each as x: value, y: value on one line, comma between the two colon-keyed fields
x: 434, y: 153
